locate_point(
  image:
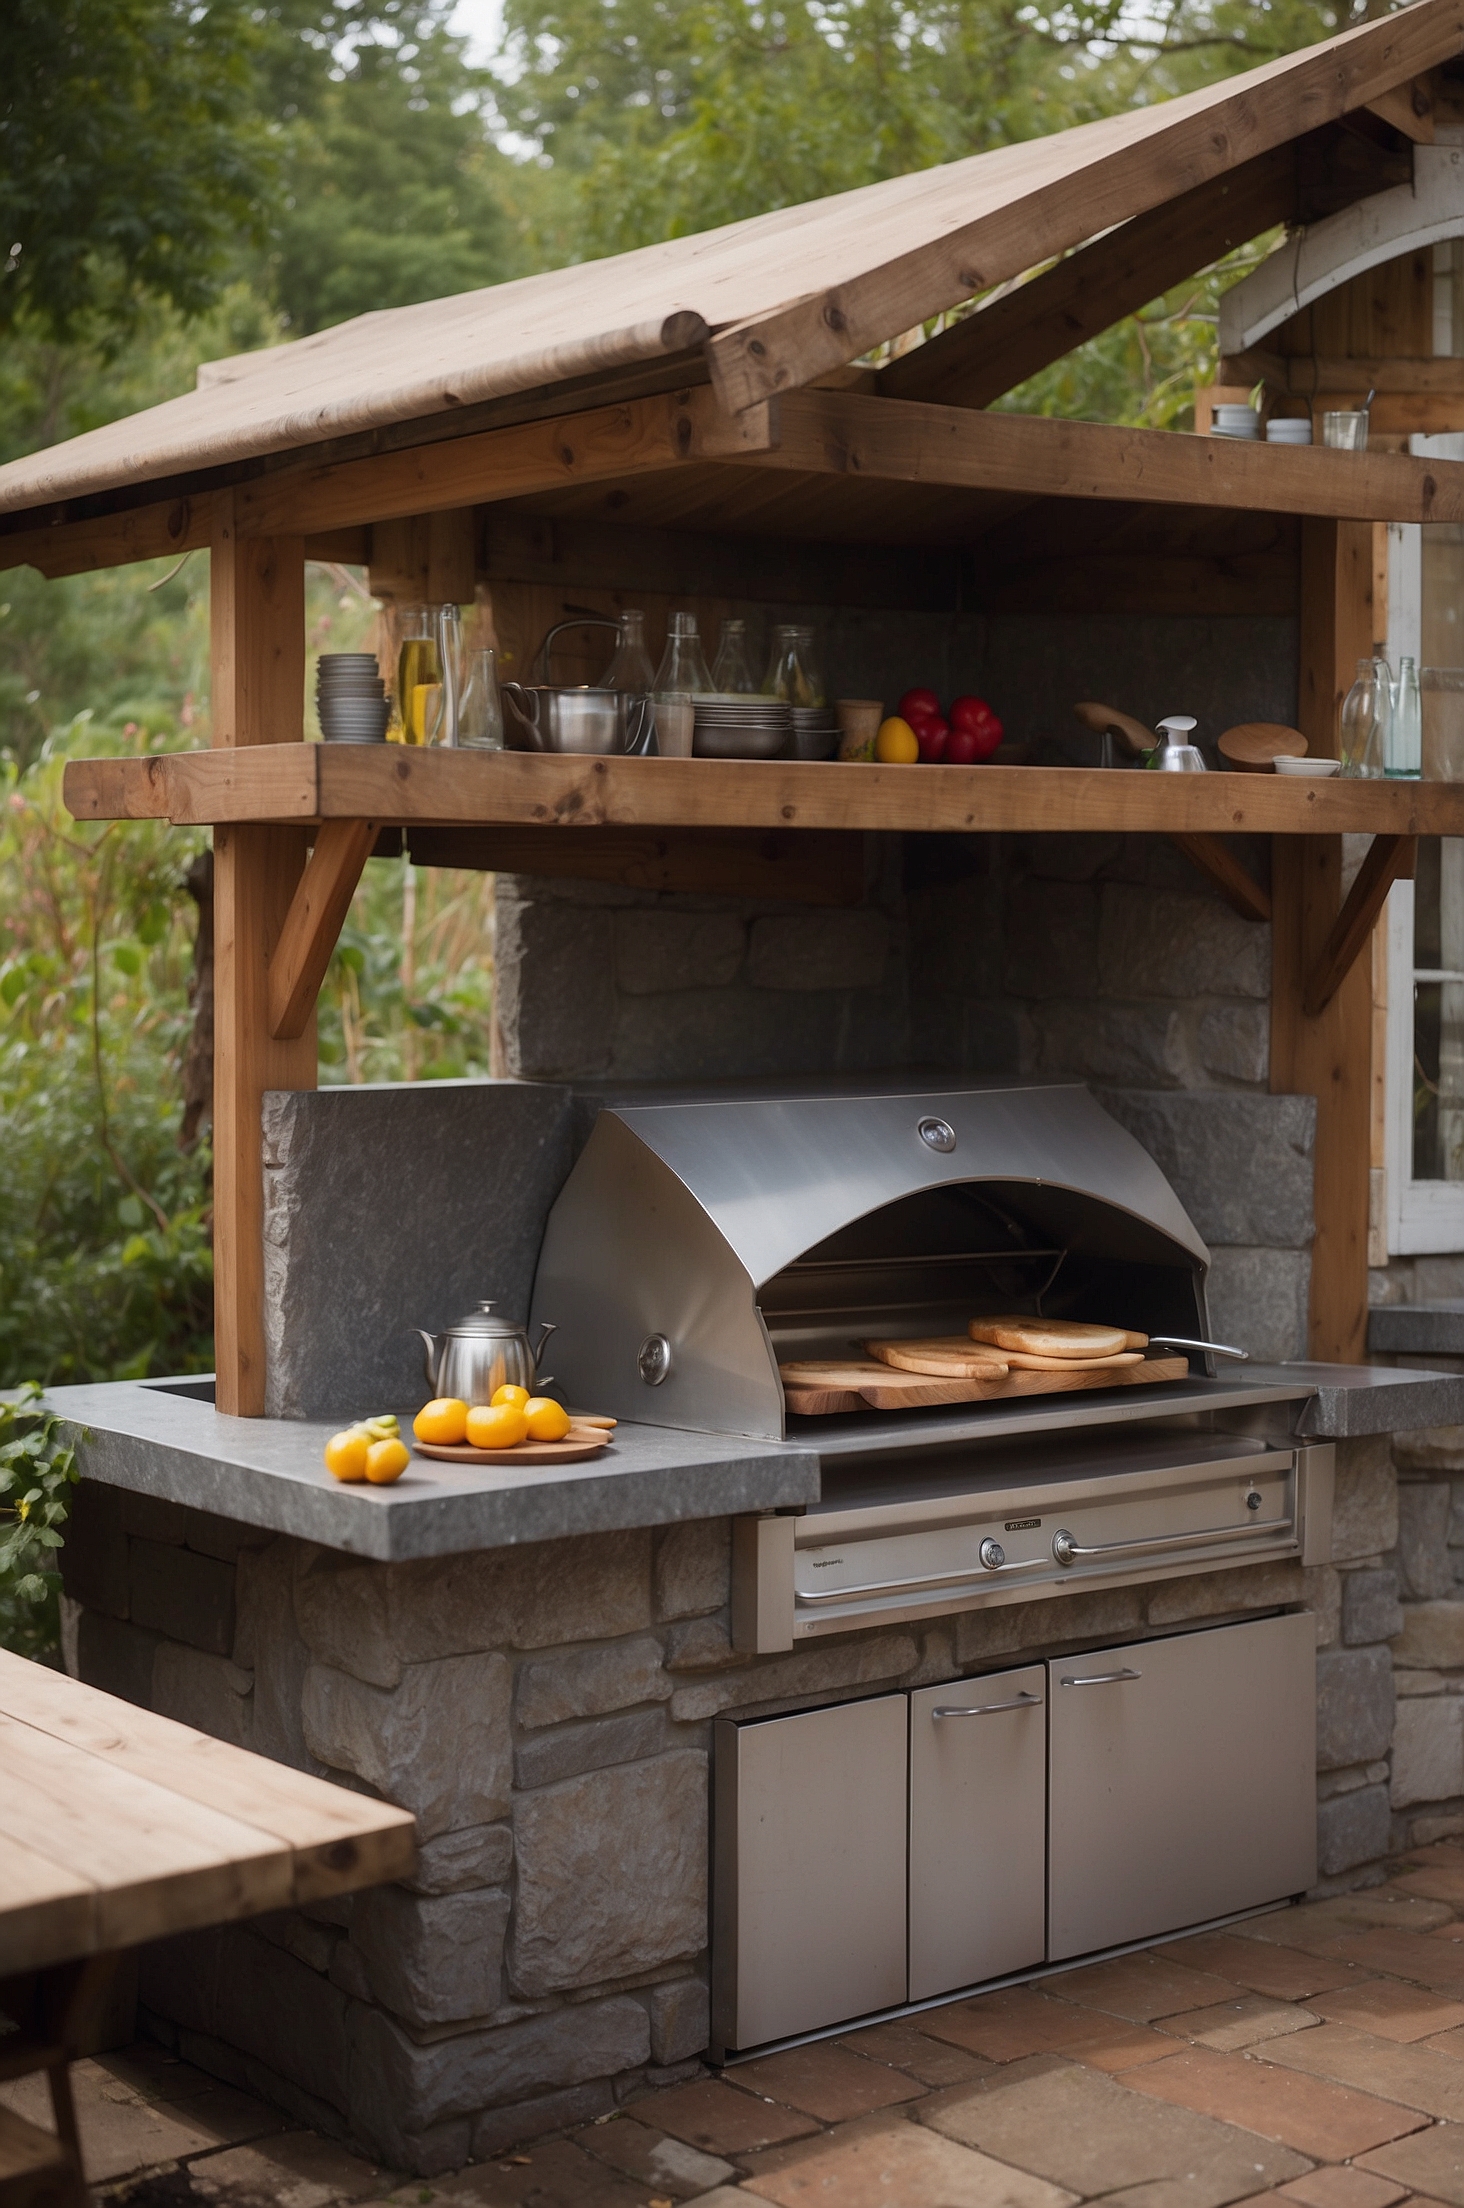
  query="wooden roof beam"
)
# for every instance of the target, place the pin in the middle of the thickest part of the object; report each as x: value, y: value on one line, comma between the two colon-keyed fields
x: 1023, y: 332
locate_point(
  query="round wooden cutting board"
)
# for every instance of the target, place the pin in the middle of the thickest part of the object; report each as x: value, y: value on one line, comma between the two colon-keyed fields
x: 580, y: 1441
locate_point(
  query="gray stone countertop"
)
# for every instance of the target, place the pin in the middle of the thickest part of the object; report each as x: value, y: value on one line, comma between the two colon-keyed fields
x: 1352, y: 1400
x: 271, y: 1473
x: 1417, y: 1329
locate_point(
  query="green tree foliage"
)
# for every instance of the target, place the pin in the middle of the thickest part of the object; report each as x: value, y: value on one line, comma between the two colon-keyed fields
x: 132, y: 158
x: 36, y: 1471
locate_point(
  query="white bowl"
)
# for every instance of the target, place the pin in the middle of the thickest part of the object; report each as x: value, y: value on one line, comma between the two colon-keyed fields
x: 1316, y: 769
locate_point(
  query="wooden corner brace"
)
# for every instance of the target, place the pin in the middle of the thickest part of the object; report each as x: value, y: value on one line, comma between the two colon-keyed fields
x: 1218, y: 863
x: 1389, y: 859
x: 317, y: 913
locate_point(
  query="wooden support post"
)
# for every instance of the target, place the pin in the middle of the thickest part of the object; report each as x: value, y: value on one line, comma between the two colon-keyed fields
x: 1218, y: 863
x: 258, y: 623
x: 1389, y: 859
x: 317, y: 912
x: 1327, y: 1054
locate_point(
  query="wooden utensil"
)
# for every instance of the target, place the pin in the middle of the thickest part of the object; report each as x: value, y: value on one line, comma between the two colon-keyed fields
x: 954, y: 1358
x: 819, y: 1388
x: 1059, y: 1338
x: 1254, y: 746
x: 1106, y: 720
x: 582, y: 1440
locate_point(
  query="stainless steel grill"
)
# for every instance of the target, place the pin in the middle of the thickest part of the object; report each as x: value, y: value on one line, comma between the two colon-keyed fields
x: 703, y: 1240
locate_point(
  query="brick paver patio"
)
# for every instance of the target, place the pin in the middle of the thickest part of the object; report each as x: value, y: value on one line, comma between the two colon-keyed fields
x: 1314, y: 2056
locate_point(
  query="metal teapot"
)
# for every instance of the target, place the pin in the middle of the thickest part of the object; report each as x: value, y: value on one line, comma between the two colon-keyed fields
x: 481, y: 1353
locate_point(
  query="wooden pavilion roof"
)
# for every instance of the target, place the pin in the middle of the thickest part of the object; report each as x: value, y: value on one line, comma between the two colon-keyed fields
x: 888, y: 256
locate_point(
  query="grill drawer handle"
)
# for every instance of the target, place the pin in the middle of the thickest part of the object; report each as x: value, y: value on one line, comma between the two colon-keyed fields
x: 1102, y: 1678
x: 989, y: 1709
x: 1067, y: 1550
x: 903, y: 1586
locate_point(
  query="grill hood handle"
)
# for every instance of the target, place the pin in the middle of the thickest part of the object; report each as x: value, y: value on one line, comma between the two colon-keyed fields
x: 1215, y: 1349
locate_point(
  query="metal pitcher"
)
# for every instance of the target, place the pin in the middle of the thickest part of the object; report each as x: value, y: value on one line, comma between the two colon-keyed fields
x: 582, y: 721
x: 483, y: 1352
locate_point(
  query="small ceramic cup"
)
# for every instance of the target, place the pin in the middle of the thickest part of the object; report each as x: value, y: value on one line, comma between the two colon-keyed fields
x: 858, y: 720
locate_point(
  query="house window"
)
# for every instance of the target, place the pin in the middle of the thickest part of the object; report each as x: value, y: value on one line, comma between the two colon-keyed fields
x: 1424, y: 1115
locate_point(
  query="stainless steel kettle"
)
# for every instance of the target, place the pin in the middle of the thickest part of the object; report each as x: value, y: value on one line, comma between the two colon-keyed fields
x: 481, y: 1353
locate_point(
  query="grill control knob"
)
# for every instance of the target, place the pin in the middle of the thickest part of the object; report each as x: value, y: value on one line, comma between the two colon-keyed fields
x: 937, y: 1134
x: 992, y: 1555
x: 654, y: 1361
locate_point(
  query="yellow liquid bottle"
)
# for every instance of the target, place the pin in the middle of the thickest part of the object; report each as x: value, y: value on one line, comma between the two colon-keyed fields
x: 418, y: 668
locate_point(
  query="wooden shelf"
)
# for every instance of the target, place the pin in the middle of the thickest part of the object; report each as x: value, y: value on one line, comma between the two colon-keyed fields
x: 304, y: 783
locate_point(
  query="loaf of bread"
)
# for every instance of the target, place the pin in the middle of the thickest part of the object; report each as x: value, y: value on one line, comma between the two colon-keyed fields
x: 1055, y: 1337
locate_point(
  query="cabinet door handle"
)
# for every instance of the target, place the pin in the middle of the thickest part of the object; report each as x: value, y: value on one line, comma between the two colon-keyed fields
x: 989, y: 1709
x: 1102, y: 1678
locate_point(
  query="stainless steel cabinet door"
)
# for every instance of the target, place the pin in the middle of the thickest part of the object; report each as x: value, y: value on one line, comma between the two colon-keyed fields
x: 978, y: 1808
x: 1182, y: 1781
x: 809, y: 1910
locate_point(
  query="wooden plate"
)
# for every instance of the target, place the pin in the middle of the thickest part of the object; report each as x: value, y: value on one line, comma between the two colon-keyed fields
x: 1255, y: 746
x: 580, y: 1441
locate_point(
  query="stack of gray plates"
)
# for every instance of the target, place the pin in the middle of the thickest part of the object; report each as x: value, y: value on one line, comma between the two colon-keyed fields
x: 815, y: 732
x: 350, y: 698
x: 731, y: 726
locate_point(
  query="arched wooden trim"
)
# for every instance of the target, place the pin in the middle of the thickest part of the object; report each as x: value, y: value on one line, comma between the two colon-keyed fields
x: 1316, y: 260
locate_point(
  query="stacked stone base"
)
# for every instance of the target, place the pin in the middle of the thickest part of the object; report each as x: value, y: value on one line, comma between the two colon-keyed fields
x: 546, y: 1713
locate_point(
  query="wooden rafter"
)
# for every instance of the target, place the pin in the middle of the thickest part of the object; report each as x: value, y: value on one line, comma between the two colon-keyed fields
x: 1389, y: 859
x: 1027, y: 329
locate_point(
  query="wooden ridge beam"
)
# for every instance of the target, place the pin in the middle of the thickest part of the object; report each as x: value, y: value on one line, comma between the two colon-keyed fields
x: 628, y: 439
x: 1016, y: 336
x: 1218, y: 863
x: 313, y: 923
x: 453, y: 789
x: 904, y: 440
x: 1389, y: 859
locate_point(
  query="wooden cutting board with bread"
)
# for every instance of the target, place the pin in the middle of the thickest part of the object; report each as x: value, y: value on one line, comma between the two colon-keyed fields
x: 818, y: 1387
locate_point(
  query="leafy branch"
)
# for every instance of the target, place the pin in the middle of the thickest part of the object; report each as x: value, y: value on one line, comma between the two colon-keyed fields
x: 36, y: 1470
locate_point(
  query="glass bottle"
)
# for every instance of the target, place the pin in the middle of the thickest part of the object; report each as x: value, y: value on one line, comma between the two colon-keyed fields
x: 443, y: 728
x: 419, y: 672
x: 1387, y: 691
x: 1404, y: 754
x: 787, y: 677
x: 630, y: 662
x: 730, y: 672
x: 1362, y: 722
x: 683, y: 664
x: 480, y: 712
x: 812, y: 665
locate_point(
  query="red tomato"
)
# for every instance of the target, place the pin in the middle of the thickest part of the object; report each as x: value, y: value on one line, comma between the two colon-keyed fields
x: 932, y: 735
x: 961, y: 749
x: 919, y: 705
x: 975, y: 714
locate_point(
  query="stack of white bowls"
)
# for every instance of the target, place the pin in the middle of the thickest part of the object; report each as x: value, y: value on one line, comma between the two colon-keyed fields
x: 1289, y: 429
x: 350, y: 698
x: 733, y: 725
x: 1235, y: 421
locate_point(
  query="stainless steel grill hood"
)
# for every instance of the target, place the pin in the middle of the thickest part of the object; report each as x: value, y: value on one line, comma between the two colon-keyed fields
x: 698, y: 1240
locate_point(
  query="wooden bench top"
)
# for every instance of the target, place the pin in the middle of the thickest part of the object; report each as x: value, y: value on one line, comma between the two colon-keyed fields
x: 119, y: 1826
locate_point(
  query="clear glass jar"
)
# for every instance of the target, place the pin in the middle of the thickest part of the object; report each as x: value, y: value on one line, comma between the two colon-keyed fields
x: 731, y: 673
x: 630, y: 662
x: 787, y: 675
x: 1404, y: 752
x: 683, y: 663
x: 480, y: 711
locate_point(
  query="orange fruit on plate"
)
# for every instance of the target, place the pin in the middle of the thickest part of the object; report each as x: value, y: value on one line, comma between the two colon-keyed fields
x: 497, y: 1425
x: 547, y: 1420
x: 386, y: 1461
x: 345, y: 1454
x: 510, y: 1392
x: 444, y: 1419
